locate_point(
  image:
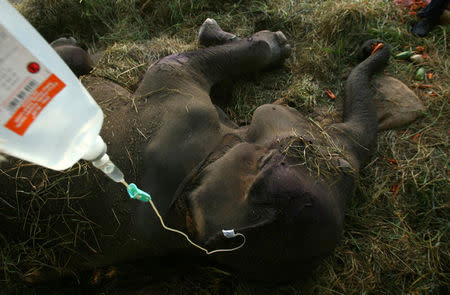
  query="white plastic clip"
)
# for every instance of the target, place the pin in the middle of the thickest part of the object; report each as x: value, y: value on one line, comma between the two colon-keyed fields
x: 229, y: 233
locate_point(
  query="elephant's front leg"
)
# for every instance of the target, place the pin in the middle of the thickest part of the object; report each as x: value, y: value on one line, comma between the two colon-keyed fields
x: 358, y: 132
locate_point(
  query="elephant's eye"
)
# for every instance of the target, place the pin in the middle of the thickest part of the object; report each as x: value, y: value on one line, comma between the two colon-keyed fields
x: 248, y: 163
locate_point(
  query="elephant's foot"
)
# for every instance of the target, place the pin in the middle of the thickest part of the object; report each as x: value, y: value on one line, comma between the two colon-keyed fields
x: 71, y: 41
x: 211, y: 34
x: 278, y: 44
x: 370, y: 47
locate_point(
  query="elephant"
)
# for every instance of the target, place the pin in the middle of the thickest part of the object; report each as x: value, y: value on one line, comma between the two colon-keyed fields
x: 283, y: 181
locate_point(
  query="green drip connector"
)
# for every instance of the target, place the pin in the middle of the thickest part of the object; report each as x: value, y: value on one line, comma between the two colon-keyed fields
x: 137, y: 194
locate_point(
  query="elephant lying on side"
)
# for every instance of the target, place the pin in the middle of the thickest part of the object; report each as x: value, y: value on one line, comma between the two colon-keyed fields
x: 282, y: 181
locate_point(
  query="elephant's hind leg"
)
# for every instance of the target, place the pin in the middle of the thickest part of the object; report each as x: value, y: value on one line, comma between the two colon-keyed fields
x: 205, y: 67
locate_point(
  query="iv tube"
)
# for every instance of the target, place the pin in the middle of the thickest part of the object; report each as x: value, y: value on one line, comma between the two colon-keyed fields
x: 140, y: 195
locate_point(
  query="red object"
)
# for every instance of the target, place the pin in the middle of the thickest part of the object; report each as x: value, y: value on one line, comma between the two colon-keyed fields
x: 423, y: 86
x: 395, y: 189
x: 376, y: 47
x: 420, y: 48
x: 411, y: 6
x: 33, y: 67
x: 408, y: 3
x: 330, y: 94
x: 392, y: 161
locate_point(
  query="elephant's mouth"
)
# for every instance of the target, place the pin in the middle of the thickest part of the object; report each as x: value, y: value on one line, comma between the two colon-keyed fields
x: 277, y: 183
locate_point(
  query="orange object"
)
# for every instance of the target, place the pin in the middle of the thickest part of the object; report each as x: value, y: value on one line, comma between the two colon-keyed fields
x: 430, y: 75
x: 395, y: 189
x: 376, y: 47
x: 420, y: 48
x: 230, y: 113
x: 392, y: 161
x: 330, y: 94
x: 418, y: 5
x: 111, y: 273
x: 417, y: 85
x: 412, y: 6
x: 34, y: 104
x: 416, y: 136
x: 96, y: 278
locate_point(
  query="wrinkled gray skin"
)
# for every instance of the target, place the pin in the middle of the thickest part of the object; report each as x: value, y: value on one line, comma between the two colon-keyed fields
x: 205, y: 174
x: 74, y: 54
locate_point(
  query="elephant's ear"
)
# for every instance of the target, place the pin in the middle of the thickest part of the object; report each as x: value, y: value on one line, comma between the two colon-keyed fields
x: 396, y: 104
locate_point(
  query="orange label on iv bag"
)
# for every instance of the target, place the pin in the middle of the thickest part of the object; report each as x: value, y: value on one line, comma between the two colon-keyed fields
x: 26, y: 85
x: 34, y: 104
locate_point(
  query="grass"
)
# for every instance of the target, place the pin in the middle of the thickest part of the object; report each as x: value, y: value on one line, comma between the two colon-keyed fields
x: 396, y: 238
